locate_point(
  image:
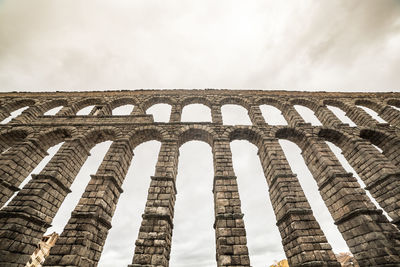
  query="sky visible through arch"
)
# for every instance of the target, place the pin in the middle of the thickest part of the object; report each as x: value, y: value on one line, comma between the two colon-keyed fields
x: 71, y: 45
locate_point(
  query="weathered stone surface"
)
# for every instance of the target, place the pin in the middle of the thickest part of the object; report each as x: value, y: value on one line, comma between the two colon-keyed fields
x: 373, y: 240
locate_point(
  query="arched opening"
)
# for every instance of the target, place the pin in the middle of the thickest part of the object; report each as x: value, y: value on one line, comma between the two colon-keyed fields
x: 373, y: 114
x: 310, y: 188
x: 53, y: 111
x: 395, y: 107
x: 123, y: 110
x: 160, y: 112
x: 341, y: 115
x: 196, y: 113
x: 13, y: 115
x: 78, y: 186
x: 235, y: 115
x: 193, y: 242
x: 272, y: 115
x: 85, y: 111
x: 263, y: 238
x: 51, y: 152
x: 120, y: 241
x: 308, y: 115
x: 339, y: 155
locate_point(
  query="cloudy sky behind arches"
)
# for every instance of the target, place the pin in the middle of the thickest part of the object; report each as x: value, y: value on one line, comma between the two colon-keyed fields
x: 343, y: 45
x: 99, y: 45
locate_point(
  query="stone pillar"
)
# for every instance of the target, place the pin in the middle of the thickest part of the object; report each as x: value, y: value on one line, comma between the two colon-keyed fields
x: 303, y: 240
x: 380, y: 176
x: 327, y: 117
x: 291, y: 115
x: 26, y: 218
x: 371, y: 238
x: 82, y: 240
x: 256, y: 116
x: 176, y: 113
x: 66, y: 111
x: 216, y: 114
x: 230, y: 233
x: 153, y: 245
x: 99, y: 110
x: 106, y: 110
x: 138, y: 111
x: 16, y: 164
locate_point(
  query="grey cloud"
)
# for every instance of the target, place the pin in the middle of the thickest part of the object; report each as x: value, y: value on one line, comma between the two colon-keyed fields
x: 95, y: 45
x: 345, y: 29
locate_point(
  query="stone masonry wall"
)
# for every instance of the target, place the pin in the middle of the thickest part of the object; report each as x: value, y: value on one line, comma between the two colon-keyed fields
x: 371, y: 237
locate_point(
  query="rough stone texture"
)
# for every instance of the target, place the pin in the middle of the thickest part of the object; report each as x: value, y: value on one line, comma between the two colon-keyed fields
x: 372, y: 239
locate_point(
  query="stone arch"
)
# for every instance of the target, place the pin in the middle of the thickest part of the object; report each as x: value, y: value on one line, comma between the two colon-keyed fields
x: 291, y: 116
x: 279, y: 107
x: 12, y: 106
x: 35, y: 111
x: 19, y: 103
x: 50, y: 187
x: 290, y: 206
x: 147, y: 104
x: 84, y: 103
x: 20, y: 160
x: 101, y: 134
x: 271, y: 101
x: 11, y: 136
x: 196, y: 133
x: 235, y: 101
x: 291, y: 134
x: 313, y: 105
x: 161, y: 200
x: 43, y: 108
x: 53, y: 136
x: 377, y: 107
x: 195, y: 100
x: 363, y: 158
x: 115, y: 103
x: 357, y: 115
x: 203, y: 108
x: 334, y: 136
x: 391, y: 111
x: 144, y: 134
x: 252, y: 135
x: 393, y: 102
x: 390, y: 144
x: 337, y: 103
x: 157, y: 100
x: 340, y: 189
x: 240, y: 105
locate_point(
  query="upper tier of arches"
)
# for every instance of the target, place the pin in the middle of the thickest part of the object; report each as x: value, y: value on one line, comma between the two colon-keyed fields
x: 384, y: 110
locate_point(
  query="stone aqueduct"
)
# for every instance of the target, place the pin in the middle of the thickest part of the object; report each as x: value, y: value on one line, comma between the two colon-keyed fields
x: 373, y: 239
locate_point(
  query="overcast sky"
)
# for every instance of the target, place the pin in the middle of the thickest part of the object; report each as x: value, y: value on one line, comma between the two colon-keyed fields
x: 342, y: 45
x: 266, y: 44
